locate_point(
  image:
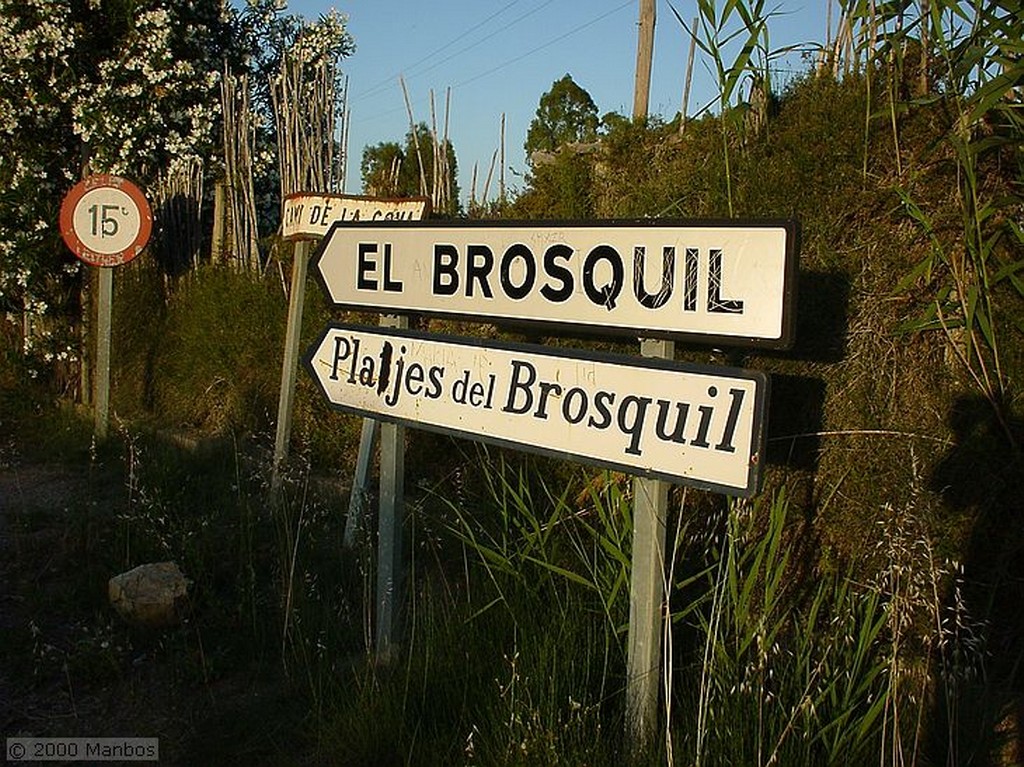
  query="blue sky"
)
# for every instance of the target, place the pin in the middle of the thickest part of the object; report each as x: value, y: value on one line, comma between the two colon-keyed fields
x: 500, y: 56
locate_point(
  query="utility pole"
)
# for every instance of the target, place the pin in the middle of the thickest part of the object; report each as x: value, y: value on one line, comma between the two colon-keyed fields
x: 644, y: 58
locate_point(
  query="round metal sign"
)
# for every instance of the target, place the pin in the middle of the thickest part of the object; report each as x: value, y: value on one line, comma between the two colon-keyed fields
x: 105, y: 220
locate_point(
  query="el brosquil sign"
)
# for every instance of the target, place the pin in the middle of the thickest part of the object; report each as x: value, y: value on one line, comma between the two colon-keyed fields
x: 728, y: 282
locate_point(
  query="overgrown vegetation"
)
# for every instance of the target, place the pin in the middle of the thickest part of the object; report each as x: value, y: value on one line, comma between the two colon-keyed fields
x: 864, y: 609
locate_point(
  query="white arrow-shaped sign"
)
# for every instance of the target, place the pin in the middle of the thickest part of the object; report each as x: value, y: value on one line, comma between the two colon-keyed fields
x: 698, y: 425
x: 727, y: 282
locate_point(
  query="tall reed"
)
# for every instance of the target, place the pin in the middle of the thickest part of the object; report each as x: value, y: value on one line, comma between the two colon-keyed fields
x: 718, y: 34
x: 786, y: 676
x: 970, y: 61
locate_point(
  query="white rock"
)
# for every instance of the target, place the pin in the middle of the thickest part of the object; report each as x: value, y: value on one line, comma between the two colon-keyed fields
x: 149, y: 595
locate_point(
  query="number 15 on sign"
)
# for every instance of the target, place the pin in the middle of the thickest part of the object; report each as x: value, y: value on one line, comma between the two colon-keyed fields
x: 105, y: 220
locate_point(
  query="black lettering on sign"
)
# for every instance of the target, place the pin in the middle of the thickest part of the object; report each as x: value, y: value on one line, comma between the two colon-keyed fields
x: 716, y: 303
x: 390, y: 285
x: 366, y: 266
x: 690, y: 280
x: 547, y: 388
x: 339, y: 355
x: 557, y: 271
x: 605, y: 295
x: 415, y: 378
x: 527, y: 394
x: 446, y: 270
x: 474, y: 394
x: 514, y: 253
x: 602, y: 404
x: 479, y: 270
x: 405, y: 377
x: 516, y: 385
x: 706, y: 411
x: 676, y: 434
x: 729, y: 432
x: 386, y: 352
x: 574, y: 405
x: 635, y: 427
x: 368, y: 372
x: 320, y: 214
x: 436, y: 373
x: 668, y: 269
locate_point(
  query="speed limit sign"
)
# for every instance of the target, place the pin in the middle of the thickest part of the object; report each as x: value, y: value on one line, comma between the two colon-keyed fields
x: 105, y: 220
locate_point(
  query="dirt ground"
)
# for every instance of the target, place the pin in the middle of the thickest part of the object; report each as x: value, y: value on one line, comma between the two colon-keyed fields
x: 68, y: 667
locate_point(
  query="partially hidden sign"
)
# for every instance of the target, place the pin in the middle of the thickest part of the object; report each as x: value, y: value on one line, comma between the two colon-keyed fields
x: 700, y: 425
x: 105, y: 220
x: 310, y: 216
x: 730, y: 282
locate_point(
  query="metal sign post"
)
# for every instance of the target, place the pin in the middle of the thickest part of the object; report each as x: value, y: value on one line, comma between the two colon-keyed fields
x: 293, y: 329
x: 723, y: 282
x: 101, y: 381
x: 307, y: 216
x: 647, y: 589
x: 390, y: 523
x: 106, y: 221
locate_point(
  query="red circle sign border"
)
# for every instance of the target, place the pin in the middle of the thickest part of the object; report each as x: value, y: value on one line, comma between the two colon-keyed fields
x: 67, y: 224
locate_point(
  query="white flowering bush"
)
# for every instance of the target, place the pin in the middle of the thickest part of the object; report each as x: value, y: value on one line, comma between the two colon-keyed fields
x: 129, y: 84
x: 152, y: 103
x: 132, y: 86
x: 37, y: 45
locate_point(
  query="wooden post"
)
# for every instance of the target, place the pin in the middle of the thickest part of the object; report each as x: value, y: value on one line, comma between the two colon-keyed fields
x: 219, y: 214
x: 390, y: 521
x: 286, y: 400
x: 647, y: 592
x: 689, y: 75
x: 644, y: 60
x: 104, y: 311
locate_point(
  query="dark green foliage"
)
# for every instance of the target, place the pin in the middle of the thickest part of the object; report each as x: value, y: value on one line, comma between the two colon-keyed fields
x: 202, y: 355
x: 213, y: 374
x: 559, y: 189
x: 390, y: 170
x: 566, y: 115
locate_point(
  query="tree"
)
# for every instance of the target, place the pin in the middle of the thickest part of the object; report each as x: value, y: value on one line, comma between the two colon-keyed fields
x: 381, y: 167
x: 566, y: 114
x: 390, y: 170
x: 264, y: 35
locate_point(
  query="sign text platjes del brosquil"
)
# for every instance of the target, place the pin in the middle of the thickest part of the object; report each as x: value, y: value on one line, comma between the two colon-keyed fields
x: 657, y: 418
